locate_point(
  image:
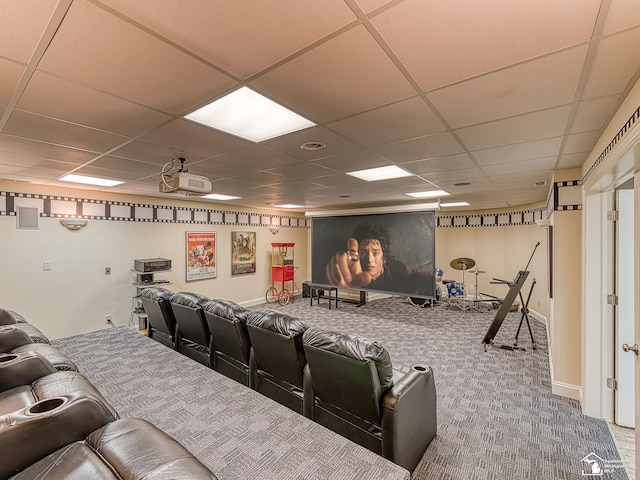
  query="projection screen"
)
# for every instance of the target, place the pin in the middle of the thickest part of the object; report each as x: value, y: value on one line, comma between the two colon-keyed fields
x: 391, y: 253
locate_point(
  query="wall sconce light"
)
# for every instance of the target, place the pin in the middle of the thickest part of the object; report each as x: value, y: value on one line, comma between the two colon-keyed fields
x: 274, y: 230
x: 73, y: 223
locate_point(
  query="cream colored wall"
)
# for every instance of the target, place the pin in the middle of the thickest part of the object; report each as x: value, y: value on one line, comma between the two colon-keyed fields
x: 75, y: 295
x: 501, y: 251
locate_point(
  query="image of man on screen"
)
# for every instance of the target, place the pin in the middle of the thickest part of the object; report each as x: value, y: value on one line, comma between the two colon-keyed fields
x: 368, y: 262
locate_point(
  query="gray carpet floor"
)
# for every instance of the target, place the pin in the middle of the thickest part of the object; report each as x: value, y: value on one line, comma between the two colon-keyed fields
x: 497, y: 417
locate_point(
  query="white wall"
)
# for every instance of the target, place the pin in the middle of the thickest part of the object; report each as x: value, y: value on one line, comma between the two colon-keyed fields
x: 75, y: 295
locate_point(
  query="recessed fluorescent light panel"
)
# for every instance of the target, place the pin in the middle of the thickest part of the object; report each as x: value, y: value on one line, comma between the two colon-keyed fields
x: 249, y: 115
x: 218, y: 196
x: 454, y: 204
x: 429, y: 194
x: 289, y: 205
x: 102, y: 182
x: 380, y: 173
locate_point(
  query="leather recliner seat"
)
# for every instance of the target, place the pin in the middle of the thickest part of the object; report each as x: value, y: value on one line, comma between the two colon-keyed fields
x: 9, y: 317
x: 192, y: 332
x: 355, y: 392
x: 229, y: 346
x: 277, y: 360
x: 130, y: 448
x: 16, y: 340
x: 161, y: 321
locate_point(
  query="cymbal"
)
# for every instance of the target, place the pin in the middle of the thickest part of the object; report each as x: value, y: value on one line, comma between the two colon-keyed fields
x: 462, y: 263
x: 477, y: 271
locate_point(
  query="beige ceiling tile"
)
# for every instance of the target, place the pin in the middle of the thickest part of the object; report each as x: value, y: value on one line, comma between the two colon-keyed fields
x: 522, y: 167
x: 523, y: 128
x: 353, y: 161
x: 151, y: 153
x: 52, y: 96
x: 241, y: 38
x: 111, y: 55
x: 20, y: 173
x: 617, y: 59
x: 261, y: 177
x: 439, y: 164
x: 291, y: 143
x: 621, y: 14
x: 111, y: 174
x: 21, y: 26
x: 344, y: 182
x: 444, y: 42
x: 220, y: 169
x: 546, y: 82
x: 571, y: 161
x: 361, y: 77
x: 502, y: 179
x: 37, y: 127
x: 580, y: 142
x: 301, y: 171
x: 26, y: 147
x: 116, y: 164
x: 26, y: 161
x: 255, y: 158
x: 519, y: 151
x: 454, y: 175
x: 371, y: 5
x: 420, y: 148
x: 406, y: 119
x: 191, y: 137
x: 11, y: 74
x: 591, y: 113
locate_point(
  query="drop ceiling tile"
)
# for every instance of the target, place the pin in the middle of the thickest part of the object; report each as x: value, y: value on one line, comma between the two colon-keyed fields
x: 58, y: 98
x: 353, y: 161
x: 22, y: 27
x: 521, y: 167
x: 454, y: 175
x: 26, y: 161
x: 11, y: 74
x: 621, y: 14
x: 420, y: 148
x: 121, y: 175
x: 571, y: 161
x: 22, y: 174
x: 255, y: 158
x: 291, y: 143
x: 580, y: 142
x: 523, y: 128
x: 617, y: 59
x: 220, y: 169
x: 350, y: 86
x: 46, y: 129
x: 439, y: 164
x: 467, y: 38
x: 368, y: 6
x: 242, y: 38
x: 399, y: 121
x: 519, y: 151
x: 591, y: 113
x: 112, y: 55
x: 133, y: 167
x: 22, y: 146
x: 151, y: 153
x: 547, y: 82
x: 191, y: 137
x: 301, y: 171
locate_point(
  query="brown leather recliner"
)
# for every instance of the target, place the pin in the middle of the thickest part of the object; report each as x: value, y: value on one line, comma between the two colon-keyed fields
x: 192, y: 332
x: 161, y: 321
x: 15, y: 340
x: 355, y: 392
x: 53, y: 411
x: 9, y: 317
x: 277, y: 362
x: 125, y: 448
x: 229, y: 346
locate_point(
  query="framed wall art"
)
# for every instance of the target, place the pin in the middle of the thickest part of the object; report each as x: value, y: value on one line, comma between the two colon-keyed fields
x: 243, y: 253
x: 201, y: 255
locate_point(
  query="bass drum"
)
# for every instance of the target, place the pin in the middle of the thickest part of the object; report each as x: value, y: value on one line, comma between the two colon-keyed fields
x: 420, y: 302
x: 455, y: 289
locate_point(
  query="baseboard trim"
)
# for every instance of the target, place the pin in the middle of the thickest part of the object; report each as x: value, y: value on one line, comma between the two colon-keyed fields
x: 573, y: 392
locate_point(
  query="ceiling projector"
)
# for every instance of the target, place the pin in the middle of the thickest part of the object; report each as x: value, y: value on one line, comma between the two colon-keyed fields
x: 181, y: 181
x: 184, y: 182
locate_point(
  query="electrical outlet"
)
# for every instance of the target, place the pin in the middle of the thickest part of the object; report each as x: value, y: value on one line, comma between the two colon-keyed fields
x: 46, y: 265
x: 107, y: 270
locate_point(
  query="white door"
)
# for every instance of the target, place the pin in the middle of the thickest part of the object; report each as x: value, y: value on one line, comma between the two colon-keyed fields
x: 624, y: 322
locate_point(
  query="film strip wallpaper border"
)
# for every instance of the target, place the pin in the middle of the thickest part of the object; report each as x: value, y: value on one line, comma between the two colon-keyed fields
x: 522, y: 217
x: 52, y: 206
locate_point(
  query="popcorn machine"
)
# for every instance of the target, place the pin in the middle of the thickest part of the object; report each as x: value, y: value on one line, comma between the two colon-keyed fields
x: 282, y: 272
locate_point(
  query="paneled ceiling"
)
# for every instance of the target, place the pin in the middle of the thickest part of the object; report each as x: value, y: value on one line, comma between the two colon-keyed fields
x: 481, y: 99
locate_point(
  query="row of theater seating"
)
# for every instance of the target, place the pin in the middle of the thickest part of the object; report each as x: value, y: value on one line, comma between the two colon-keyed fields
x: 344, y: 382
x: 55, y: 424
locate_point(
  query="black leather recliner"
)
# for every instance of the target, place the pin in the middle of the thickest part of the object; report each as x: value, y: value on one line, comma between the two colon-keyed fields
x: 229, y: 346
x: 126, y: 448
x: 355, y: 392
x: 277, y: 361
x: 192, y: 332
x: 17, y: 341
x: 161, y: 321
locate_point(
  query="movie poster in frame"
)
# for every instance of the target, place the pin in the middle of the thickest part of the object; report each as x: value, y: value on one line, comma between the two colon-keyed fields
x: 243, y: 253
x: 201, y: 255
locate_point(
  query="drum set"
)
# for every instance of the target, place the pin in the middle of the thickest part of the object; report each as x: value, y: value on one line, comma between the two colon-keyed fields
x: 457, y: 292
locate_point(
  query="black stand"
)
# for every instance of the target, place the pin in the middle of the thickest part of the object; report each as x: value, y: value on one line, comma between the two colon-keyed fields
x: 525, y: 315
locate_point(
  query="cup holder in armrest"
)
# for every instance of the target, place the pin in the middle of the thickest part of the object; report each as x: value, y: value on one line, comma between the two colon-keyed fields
x: 8, y: 357
x: 46, y: 405
x: 420, y: 368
